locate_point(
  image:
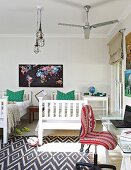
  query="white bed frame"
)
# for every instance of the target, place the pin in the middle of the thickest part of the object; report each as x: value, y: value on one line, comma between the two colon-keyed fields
x: 4, y: 113
x: 59, y: 114
x: 3, y: 117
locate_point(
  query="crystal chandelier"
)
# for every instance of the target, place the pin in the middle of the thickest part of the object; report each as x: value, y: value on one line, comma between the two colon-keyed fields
x: 40, y: 41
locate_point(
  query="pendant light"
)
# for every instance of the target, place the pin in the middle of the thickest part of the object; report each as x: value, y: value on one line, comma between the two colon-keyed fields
x: 40, y: 42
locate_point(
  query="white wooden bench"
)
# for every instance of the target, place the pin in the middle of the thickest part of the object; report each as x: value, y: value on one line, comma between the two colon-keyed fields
x: 59, y: 114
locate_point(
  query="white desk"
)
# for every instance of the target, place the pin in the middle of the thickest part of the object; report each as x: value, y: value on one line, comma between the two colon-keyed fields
x: 99, y: 104
x: 125, y: 146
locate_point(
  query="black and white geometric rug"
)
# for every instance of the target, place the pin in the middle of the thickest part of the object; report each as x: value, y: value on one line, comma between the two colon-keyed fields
x: 18, y: 155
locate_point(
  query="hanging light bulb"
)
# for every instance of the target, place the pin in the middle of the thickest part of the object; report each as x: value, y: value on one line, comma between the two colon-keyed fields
x: 41, y: 42
x: 39, y: 32
x: 36, y: 47
x: 40, y: 36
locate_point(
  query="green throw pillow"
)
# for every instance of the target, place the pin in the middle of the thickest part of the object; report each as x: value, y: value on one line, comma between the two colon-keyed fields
x: 15, y: 96
x: 65, y: 96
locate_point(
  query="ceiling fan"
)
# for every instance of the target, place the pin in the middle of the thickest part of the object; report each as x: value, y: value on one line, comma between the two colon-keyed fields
x: 87, y: 27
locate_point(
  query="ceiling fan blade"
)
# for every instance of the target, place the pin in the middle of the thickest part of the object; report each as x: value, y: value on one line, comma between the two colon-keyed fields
x: 104, y: 23
x: 86, y: 33
x: 70, y: 25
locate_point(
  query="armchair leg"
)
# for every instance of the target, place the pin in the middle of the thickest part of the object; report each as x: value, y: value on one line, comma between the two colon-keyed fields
x: 81, y: 149
x: 79, y: 165
x: 94, y: 166
x: 87, y: 150
x: 107, y: 166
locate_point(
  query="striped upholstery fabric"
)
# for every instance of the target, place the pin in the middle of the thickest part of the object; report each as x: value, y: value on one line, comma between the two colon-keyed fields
x: 89, y: 136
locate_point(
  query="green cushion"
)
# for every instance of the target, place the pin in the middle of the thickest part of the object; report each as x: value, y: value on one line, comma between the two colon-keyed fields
x: 15, y: 96
x: 65, y: 96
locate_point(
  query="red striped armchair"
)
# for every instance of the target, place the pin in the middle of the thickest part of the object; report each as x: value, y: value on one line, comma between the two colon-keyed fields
x: 91, y: 137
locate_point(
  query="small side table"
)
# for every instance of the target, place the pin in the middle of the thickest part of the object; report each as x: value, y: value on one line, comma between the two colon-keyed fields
x: 31, y: 111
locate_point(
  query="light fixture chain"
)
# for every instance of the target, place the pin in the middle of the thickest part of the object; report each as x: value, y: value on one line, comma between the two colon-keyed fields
x: 37, y: 20
x: 40, y: 16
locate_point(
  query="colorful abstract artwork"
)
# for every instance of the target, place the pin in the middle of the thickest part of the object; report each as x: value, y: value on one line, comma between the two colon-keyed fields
x: 33, y: 75
x: 128, y: 83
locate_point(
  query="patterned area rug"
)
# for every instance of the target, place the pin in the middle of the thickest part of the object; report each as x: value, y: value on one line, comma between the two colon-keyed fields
x: 18, y: 155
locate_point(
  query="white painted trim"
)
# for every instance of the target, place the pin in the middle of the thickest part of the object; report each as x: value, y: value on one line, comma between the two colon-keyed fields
x: 53, y: 36
x: 121, y: 20
x: 113, y: 28
x: 125, y: 13
x: 76, y: 36
x: 17, y: 36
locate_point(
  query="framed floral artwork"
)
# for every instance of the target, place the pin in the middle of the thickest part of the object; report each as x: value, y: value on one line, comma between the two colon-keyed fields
x: 39, y: 75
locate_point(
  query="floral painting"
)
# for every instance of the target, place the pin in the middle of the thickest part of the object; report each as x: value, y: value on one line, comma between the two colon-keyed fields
x: 33, y: 75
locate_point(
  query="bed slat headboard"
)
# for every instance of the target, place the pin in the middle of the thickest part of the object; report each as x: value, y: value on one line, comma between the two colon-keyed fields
x: 28, y: 96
